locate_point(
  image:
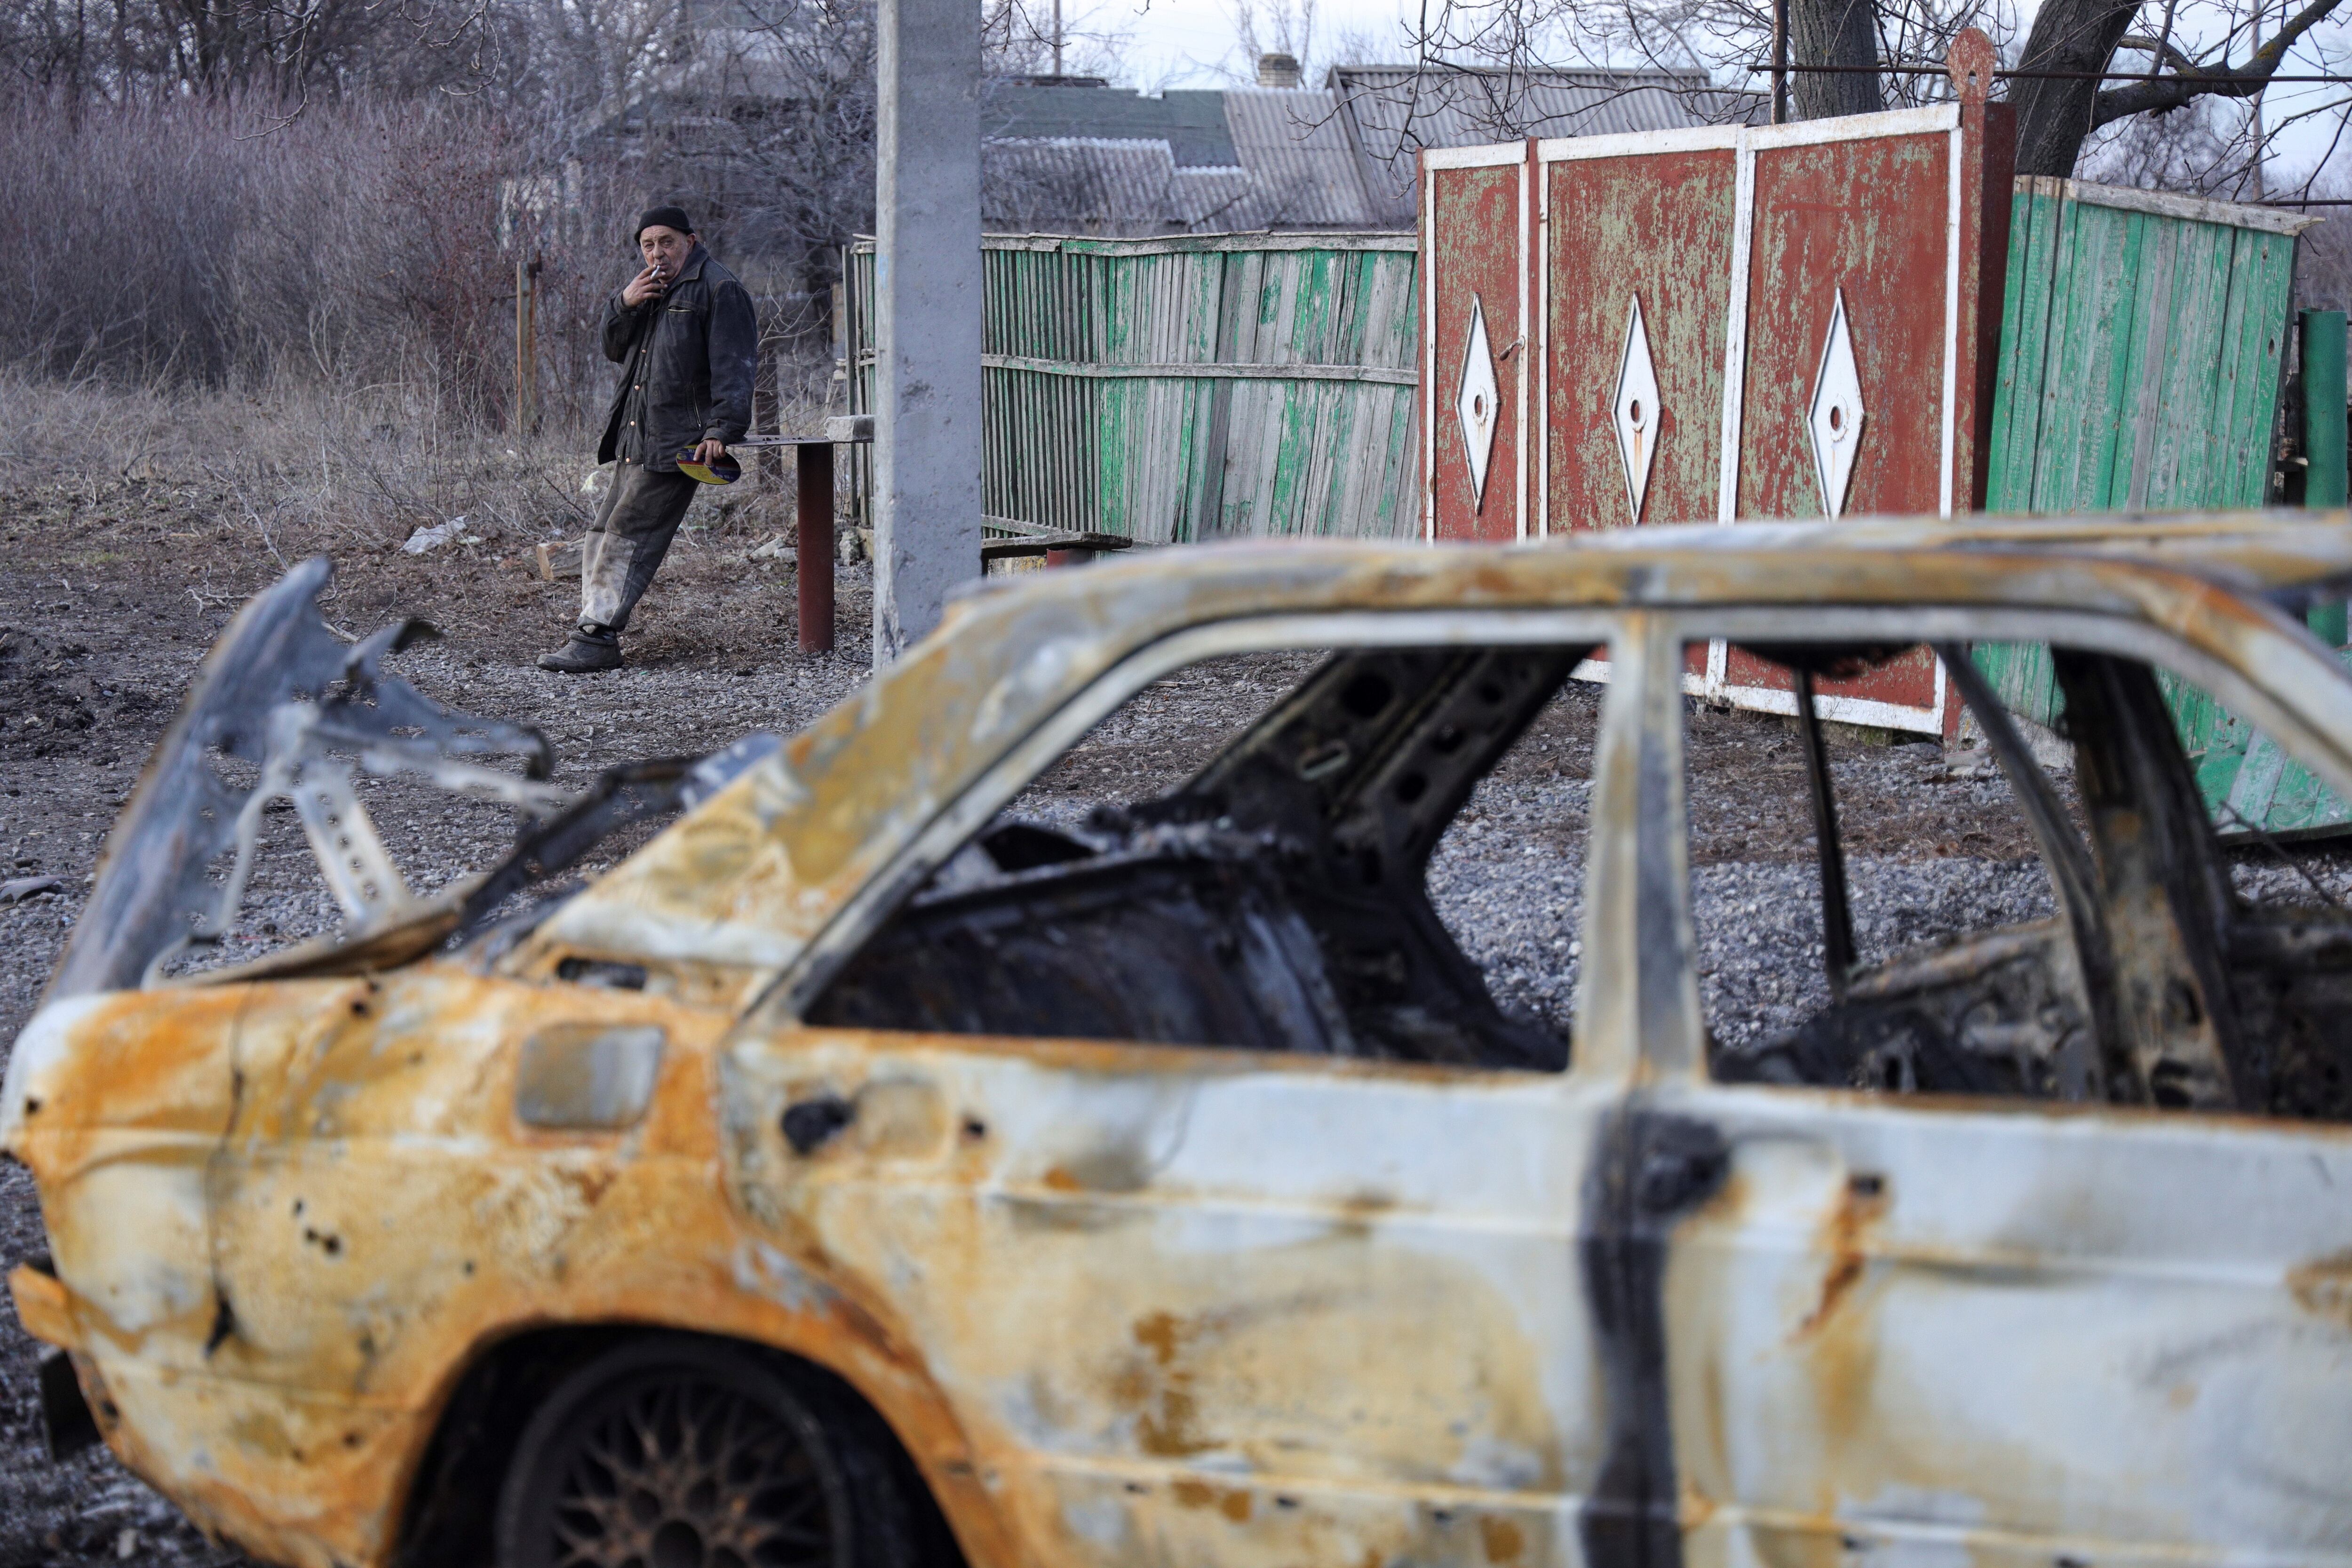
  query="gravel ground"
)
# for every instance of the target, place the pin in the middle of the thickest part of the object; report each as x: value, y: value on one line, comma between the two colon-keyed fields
x: 102, y: 624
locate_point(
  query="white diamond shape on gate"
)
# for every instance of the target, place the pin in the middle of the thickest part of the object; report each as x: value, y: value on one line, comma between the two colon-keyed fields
x: 1836, y: 414
x: 1636, y: 409
x: 1477, y: 404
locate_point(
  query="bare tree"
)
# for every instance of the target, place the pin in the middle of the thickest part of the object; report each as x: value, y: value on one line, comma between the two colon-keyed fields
x: 1050, y: 37
x: 2323, y: 262
x: 1726, y: 40
x: 2084, y: 36
x: 2191, y: 51
x: 1262, y: 27
x: 1844, y: 31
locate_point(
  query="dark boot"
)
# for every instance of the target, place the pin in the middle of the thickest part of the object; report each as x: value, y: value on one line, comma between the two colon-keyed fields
x: 591, y: 647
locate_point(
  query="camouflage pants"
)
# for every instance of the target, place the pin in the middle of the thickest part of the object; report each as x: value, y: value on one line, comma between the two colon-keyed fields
x: 625, y: 544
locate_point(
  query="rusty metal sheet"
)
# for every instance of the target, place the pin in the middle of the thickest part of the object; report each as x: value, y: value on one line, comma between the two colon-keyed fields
x: 1646, y: 220
x: 1185, y: 1413
x: 1474, y: 354
x: 1865, y: 220
x: 1874, y: 245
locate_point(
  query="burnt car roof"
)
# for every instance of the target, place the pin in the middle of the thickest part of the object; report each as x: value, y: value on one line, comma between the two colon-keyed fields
x: 750, y: 876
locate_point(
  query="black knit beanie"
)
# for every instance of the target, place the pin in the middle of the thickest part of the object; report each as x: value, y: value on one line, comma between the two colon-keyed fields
x: 669, y: 218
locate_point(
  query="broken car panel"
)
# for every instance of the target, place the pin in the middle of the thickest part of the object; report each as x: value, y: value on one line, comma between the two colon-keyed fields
x: 298, y: 708
x: 852, y: 1115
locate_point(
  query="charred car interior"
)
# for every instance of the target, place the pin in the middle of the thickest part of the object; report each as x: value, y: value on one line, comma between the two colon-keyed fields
x: 1277, y: 902
x: 2155, y: 983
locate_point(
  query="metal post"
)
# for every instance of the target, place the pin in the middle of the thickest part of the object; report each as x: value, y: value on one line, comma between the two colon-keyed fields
x: 1780, y: 62
x: 927, y: 383
x: 1837, y: 917
x: 2322, y: 438
x: 813, y: 570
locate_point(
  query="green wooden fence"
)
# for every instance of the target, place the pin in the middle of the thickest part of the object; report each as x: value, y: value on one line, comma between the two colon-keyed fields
x: 2142, y: 341
x: 1198, y: 387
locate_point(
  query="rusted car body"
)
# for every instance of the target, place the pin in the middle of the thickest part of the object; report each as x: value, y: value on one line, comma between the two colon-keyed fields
x: 1389, y: 1288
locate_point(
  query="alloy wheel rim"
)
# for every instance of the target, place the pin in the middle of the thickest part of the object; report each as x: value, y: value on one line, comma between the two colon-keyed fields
x: 687, y: 1473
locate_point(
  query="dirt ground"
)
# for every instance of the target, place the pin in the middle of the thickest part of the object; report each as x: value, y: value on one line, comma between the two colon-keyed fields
x: 111, y: 593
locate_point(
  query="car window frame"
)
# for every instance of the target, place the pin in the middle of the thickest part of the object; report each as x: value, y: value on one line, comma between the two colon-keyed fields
x: 2299, y: 735
x: 862, y: 916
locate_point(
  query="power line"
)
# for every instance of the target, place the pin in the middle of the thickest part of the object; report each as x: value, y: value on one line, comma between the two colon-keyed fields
x: 2216, y: 80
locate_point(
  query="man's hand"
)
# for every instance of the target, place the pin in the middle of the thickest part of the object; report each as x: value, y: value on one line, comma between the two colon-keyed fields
x: 646, y: 285
x: 710, y: 452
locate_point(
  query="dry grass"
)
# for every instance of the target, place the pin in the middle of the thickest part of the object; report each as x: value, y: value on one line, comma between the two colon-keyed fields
x: 174, y: 506
x: 299, y: 468
x: 173, y: 509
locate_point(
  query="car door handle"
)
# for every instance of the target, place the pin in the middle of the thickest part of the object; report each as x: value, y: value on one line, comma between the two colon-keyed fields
x: 1681, y: 1164
x: 809, y: 1124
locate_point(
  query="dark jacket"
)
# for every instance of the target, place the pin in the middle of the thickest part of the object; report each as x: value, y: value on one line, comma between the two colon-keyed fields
x: 704, y: 344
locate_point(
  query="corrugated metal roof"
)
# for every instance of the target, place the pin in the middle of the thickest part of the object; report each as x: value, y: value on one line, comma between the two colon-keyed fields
x: 1391, y: 112
x: 1191, y: 122
x: 1098, y: 185
x: 1297, y: 150
x: 1087, y: 160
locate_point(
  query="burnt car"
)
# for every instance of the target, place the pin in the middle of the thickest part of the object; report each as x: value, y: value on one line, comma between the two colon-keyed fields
x: 888, y: 1165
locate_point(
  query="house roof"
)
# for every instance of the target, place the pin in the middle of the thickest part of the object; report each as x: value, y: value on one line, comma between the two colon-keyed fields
x: 1082, y: 110
x: 1071, y: 154
x: 1393, y: 111
x: 1104, y: 185
x: 1298, y: 151
x: 1100, y: 161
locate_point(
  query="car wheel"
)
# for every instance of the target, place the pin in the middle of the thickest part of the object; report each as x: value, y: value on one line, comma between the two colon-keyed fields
x: 681, y: 1453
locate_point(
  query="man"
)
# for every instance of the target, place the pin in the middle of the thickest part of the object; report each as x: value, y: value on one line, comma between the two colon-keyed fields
x: 684, y: 333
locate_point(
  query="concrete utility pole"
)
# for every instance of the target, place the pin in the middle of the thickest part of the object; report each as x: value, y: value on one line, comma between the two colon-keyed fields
x: 927, y: 446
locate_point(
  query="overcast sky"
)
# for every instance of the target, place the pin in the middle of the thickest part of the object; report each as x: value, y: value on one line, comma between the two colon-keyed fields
x: 1189, y: 42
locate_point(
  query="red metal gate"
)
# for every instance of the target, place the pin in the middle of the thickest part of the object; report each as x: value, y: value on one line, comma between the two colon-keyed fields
x: 1730, y: 323
x: 1474, y: 453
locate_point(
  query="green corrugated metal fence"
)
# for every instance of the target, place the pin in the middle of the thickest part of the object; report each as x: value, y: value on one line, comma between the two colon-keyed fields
x: 2141, y: 347
x: 1201, y: 387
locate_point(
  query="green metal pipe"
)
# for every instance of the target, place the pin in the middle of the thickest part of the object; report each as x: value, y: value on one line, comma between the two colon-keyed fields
x: 2322, y: 438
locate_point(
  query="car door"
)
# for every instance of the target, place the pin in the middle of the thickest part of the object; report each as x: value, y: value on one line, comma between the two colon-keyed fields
x: 1911, y: 1328
x: 1195, y: 1305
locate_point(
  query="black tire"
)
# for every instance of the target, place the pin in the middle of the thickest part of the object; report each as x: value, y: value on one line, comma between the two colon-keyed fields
x: 677, y: 1452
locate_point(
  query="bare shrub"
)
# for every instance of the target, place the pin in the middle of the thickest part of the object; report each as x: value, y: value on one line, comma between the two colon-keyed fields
x: 355, y: 245
x: 307, y: 466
